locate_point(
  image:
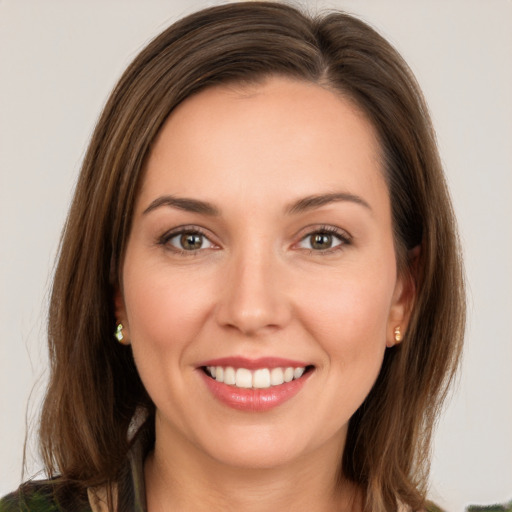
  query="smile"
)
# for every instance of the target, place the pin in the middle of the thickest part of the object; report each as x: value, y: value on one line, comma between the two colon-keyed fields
x: 254, y: 385
x: 260, y: 378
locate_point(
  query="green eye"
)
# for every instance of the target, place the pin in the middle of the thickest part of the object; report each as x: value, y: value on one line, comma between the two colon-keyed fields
x: 324, y: 240
x: 187, y: 241
x: 190, y: 241
x: 320, y: 241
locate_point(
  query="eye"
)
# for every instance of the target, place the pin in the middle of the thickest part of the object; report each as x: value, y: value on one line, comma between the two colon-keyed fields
x: 324, y: 240
x: 187, y: 240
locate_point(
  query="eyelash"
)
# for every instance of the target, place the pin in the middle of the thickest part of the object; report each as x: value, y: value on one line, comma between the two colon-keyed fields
x: 344, y: 238
x: 165, y: 239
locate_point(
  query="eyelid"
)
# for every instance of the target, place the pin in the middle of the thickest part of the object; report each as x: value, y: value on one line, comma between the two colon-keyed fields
x: 164, y: 239
x: 342, y: 235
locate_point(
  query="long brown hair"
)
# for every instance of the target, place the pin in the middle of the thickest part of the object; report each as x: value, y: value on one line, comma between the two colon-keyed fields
x: 94, y: 390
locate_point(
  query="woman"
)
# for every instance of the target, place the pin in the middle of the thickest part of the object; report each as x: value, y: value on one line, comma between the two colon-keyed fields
x: 262, y: 222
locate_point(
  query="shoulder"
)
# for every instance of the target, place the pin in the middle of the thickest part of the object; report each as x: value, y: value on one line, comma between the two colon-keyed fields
x: 32, y: 496
x: 506, y: 507
x: 44, y: 496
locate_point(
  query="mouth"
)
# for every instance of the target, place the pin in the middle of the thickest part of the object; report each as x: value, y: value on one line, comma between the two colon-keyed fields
x: 254, y: 385
x: 259, y: 378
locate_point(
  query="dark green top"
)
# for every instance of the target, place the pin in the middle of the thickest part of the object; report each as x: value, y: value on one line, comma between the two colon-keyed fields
x: 40, y: 497
x: 49, y: 496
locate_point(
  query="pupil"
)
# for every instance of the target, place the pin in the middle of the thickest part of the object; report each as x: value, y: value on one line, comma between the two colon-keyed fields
x: 191, y: 241
x: 321, y: 241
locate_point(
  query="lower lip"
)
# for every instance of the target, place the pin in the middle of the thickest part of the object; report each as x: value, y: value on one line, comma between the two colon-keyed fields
x: 254, y: 400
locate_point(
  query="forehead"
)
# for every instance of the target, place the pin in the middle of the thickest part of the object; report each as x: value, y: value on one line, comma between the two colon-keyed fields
x: 293, y: 134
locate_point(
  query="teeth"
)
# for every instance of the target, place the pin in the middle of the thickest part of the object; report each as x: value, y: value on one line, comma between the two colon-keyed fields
x: 229, y: 376
x: 243, y: 378
x: 261, y: 378
x: 288, y: 374
x: 276, y: 376
x: 297, y: 373
x: 258, y: 379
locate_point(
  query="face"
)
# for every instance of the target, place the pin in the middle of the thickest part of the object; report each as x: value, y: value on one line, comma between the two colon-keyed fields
x: 259, y: 286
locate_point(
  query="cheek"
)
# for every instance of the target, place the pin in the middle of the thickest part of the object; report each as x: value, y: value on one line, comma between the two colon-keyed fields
x: 348, y: 318
x: 165, y: 315
x: 348, y: 307
x: 163, y: 306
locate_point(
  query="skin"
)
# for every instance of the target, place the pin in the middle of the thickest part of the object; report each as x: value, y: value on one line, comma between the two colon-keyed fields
x: 256, y: 287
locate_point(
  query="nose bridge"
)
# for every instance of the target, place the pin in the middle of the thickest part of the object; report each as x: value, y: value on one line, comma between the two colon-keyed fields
x: 253, y: 298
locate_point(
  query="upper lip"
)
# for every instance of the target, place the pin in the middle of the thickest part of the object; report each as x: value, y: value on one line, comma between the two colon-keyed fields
x: 253, y: 364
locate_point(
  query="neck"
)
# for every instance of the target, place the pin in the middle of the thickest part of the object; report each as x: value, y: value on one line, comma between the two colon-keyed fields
x: 179, y: 479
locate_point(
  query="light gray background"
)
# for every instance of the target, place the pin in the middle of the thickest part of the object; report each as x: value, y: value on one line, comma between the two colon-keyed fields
x: 58, y: 62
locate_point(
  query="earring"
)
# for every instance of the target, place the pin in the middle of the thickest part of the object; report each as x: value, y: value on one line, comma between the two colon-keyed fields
x: 398, y: 334
x: 119, y: 333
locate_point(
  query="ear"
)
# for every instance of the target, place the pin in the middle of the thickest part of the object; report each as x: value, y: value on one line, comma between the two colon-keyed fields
x: 404, y: 297
x: 121, y: 317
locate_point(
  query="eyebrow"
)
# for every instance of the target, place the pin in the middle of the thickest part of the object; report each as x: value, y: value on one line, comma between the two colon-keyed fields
x: 316, y: 201
x: 183, y: 203
x: 300, y: 206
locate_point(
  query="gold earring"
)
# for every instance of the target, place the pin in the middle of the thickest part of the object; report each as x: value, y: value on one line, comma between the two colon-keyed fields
x: 119, y: 333
x: 398, y: 334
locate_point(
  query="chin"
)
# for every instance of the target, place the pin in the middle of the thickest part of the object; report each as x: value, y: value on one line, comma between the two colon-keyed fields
x: 269, y: 447
x: 259, y: 456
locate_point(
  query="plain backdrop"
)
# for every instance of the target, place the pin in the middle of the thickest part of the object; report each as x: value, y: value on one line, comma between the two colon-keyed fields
x: 58, y: 62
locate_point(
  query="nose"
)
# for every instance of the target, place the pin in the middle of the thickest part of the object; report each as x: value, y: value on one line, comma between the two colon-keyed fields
x: 253, y: 300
